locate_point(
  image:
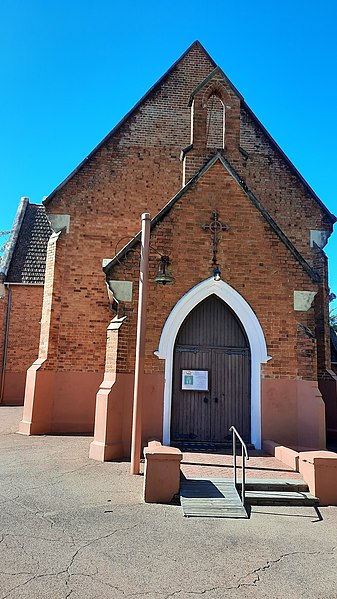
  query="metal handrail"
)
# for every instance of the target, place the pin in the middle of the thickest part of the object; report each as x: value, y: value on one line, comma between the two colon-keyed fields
x: 244, y: 454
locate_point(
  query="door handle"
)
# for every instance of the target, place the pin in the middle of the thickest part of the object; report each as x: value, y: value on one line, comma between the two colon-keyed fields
x: 206, y: 399
x: 216, y: 399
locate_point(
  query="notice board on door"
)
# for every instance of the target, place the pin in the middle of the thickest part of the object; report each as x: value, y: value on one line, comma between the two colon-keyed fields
x: 194, y: 380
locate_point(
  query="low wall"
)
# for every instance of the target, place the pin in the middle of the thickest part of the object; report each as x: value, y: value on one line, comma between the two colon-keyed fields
x: 319, y: 470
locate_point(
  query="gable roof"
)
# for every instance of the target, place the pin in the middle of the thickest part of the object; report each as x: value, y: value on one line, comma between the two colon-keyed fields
x: 24, y: 260
x: 218, y: 156
x: 127, y: 116
x: 287, y: 160
x: 152, y: 89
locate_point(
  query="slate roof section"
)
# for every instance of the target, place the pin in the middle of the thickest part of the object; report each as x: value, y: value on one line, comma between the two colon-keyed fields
x: 160, y: 215
x: 28, y: 256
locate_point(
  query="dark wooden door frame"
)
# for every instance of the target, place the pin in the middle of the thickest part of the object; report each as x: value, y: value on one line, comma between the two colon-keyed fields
x: 206, y: 416
x: 254, y: 332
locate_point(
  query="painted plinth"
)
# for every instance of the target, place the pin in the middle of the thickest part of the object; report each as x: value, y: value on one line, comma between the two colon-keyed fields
x: 162, y: 473
x: 113, y: 417
x: 37, y: 410
x: 107, y: 443
x: 319, y: 470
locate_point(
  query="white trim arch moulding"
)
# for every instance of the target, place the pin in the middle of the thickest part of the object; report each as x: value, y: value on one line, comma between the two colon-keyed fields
x: 254, y: 333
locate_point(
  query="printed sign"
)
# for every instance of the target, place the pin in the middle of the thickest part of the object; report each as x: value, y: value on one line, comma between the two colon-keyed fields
x: 194, y: 380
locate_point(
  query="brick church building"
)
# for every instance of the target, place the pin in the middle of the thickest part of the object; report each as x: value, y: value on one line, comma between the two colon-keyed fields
x: 239, y: 335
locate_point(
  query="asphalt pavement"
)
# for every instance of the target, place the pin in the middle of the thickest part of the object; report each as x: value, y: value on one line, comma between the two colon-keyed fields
x: 73, y: 527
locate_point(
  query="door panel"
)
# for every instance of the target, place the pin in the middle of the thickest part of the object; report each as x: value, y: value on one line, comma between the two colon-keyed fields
x: 230, y: 395
x: 190, y: 412
x: 211, y: 338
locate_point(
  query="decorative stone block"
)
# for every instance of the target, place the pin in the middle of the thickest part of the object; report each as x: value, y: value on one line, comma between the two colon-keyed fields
x: 319, y: 470
x: 162, y: 473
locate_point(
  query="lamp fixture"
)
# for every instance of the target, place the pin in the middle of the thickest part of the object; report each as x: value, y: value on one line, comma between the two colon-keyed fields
x: 164, y: 276
x: 217, y: 273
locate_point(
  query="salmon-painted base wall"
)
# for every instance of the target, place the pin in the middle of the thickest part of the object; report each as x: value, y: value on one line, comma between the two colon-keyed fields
x: 293, y: 413
x: 328, y: 388
x: 14, y: 388
x: 59, y: 402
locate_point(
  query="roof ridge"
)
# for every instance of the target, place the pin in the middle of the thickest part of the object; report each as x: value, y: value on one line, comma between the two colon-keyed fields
x: 162, y: 213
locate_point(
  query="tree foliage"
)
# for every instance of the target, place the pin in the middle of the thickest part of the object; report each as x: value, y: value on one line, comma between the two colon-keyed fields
x: 333, y: 318
x: 3, y: 244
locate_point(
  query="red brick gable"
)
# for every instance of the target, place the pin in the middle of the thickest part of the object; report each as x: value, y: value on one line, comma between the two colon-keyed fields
x: 253, y: 260
x: 226, y: 165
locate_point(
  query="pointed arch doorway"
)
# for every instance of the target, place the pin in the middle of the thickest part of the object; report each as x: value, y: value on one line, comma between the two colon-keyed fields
x: 253, y: 331
x: 211, y: 376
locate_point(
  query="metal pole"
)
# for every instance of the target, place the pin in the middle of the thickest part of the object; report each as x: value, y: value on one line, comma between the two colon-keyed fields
x: 234, y: 456
x: 136, y: 438
x: 243, y: 487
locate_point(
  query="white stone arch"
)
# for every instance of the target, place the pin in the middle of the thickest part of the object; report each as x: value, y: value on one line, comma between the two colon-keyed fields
x: 254, y: 334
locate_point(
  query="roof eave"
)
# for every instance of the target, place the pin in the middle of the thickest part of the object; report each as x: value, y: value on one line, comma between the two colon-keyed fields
x: 161, y: 214
x: 292, y: 167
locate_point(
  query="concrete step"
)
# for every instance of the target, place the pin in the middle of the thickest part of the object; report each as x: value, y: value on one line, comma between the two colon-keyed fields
x: 287, y: 498
x: 263, y: 484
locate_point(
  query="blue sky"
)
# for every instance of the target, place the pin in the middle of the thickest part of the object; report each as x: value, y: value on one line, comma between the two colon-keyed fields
x: 70, y: 70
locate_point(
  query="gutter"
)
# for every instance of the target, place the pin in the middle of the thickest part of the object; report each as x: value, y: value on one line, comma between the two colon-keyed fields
x: 3, y: 370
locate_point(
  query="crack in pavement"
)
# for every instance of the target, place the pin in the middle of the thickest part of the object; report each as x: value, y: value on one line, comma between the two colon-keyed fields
x: 256, y: 571
x: 22, y: 536
x: 271, y: 563
x: 56, y: 479
x: 22, y: 584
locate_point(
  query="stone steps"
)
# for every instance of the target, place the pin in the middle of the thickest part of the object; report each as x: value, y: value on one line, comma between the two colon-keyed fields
x: 286, y: 498
x: 273, y: 484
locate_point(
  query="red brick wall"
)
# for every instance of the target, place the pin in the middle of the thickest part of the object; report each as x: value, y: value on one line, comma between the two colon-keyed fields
x: 24, y: 327
x: 253, y: 260
x: 135, y: 171
x: 3, y: 312
x: 280, y: 191
x: 138, y: 170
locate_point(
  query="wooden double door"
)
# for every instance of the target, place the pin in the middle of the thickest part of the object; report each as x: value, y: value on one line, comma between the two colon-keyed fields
x: 212, y: 351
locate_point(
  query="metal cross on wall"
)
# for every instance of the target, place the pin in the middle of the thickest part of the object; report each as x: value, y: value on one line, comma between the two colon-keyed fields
x: 215, y: 227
